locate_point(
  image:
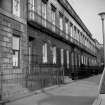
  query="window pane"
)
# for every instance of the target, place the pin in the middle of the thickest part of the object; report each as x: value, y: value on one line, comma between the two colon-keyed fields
x: 54, y: 55
x: 67, y: 30
x: 44, y: 14
x: 67, y: 59
x: 15, y: 58
x: 61, y: 23
x: 44, y: 10
x: 71, y: 29
x: 53, y: 20
x: 31, y: 8
x: 45, y: 53
x: 16, y: 7
x: 62, y: 57
x: 15, y: 43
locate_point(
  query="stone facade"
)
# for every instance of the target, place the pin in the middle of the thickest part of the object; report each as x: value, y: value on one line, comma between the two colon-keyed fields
x: 33, y: 75
x: 9, y: 26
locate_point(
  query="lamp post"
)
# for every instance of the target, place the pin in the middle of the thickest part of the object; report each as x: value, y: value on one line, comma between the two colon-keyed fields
x: 102, y: 15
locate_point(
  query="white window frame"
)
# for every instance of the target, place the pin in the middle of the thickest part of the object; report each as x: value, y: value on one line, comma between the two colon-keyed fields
x: 68, y: 60
x: 16, y: 7
x: 31, y: 8
x: 75, y: 32
x: 61, y: 22
x: 16, y: 51
x: 78, y: 35
x: 67, y: 29
x: 44, y: 53
x: 53, y: 13
x: 54, y: 55
x: 71, y: 29
x: 44, y: 13
x: 62, y: 57
x: 82, y: 59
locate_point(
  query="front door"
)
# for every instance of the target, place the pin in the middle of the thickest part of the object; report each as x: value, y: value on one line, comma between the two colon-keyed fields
x: 30, y: 55
x: 30, y: 45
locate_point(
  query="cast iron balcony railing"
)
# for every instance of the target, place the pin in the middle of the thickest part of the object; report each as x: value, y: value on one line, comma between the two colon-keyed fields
x: 34, y: 17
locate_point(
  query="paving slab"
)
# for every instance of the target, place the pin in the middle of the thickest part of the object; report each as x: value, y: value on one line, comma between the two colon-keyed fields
x: 81, y: 92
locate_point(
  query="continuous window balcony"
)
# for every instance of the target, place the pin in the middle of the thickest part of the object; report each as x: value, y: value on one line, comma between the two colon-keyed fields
x: 45, y: 24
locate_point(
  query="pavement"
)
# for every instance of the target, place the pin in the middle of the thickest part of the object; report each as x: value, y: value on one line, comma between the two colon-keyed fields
x: 79, y: 92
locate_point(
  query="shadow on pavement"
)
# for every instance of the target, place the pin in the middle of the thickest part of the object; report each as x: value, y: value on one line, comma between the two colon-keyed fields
x: 66, y: 100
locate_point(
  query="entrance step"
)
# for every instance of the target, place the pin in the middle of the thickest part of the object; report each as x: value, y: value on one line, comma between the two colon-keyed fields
x: 67, y: 79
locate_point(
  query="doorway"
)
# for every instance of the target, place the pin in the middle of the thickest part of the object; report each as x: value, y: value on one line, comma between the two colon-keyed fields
x: 30, y: 47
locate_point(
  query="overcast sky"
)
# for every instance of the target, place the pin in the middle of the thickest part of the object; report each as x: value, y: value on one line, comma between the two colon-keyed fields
x: 88, y: 11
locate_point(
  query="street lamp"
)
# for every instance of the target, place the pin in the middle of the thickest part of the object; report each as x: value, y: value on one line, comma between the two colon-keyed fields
x: 102, y: 84
x: 102, y: 15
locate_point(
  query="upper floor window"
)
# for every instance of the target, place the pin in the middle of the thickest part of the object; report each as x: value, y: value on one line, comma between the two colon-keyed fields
x: 16, y: 50
x: 44, y: 13
x: 31, y: 9
x: 71, y: 29
x: 16, y: 7
x: 61, y: 22
x: 75, y: 32
x: 53, y: 13
x: 54, y: 54
x: 83, y: 39
x: 78, y: 36
x: 44, y: 53
x: 66, y: 28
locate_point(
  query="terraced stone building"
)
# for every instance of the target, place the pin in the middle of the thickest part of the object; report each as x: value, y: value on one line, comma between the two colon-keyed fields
x: 41, y: 41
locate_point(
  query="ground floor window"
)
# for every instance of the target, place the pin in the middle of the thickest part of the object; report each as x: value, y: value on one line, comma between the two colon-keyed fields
x: 79, y: 60
x: 62, y: 56
x: 54, y: 54
x: 72, y: 57
x: 44, y: 55
x: 16, y: 50
x: 82, y: 59
x: 67, y: 53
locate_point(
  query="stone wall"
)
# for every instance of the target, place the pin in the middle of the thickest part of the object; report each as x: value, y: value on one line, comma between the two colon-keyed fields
x: 9, y: 75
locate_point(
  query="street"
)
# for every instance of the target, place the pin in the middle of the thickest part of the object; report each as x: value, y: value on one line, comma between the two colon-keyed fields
x: 80, y: 92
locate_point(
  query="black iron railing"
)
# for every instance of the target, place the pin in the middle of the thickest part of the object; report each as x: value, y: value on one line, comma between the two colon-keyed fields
x: 32, y: 76
x: 35, y: 75
x: 85, y: 71
x: 43, y: 75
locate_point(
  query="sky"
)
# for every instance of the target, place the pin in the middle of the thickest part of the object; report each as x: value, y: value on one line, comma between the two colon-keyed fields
x: 88, y: 11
